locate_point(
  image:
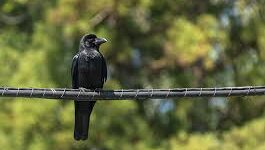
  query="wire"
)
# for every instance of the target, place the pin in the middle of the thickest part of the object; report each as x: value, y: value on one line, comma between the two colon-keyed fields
x: 87, y: 95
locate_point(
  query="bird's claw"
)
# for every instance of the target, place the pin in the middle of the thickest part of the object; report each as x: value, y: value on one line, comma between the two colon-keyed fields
x: 83, y: 89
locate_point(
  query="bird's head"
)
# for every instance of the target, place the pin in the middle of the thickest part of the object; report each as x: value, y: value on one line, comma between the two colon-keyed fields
x: 92, y: 41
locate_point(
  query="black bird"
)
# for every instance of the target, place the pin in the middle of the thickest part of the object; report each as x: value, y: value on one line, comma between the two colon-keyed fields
x: 89, y: 71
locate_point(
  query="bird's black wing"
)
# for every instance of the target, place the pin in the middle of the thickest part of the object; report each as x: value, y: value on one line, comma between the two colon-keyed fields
x: 74, y: 71
x: 104, y: 70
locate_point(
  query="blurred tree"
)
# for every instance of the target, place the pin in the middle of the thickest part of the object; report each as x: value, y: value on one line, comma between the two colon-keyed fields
x: 152, y: 44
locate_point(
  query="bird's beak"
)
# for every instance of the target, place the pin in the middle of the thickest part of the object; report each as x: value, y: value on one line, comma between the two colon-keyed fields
x: 100, y: 41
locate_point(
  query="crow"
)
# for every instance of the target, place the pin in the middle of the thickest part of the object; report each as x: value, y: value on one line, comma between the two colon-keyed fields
x: 89, y: 71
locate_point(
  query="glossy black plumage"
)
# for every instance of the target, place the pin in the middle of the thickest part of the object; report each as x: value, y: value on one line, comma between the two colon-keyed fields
x: 89, y: 71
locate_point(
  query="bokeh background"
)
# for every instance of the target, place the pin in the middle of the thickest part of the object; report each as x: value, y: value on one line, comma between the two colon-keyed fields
x: 151, y: 44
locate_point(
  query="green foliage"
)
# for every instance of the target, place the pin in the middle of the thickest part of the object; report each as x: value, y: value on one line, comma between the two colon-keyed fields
x: 152, y: 44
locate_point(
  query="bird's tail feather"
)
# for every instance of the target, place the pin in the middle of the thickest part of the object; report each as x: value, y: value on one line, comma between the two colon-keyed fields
x: 82, y: 117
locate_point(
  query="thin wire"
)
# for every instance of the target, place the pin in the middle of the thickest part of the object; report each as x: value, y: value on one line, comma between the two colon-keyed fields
x: 17, y: 91
x: 230, y: 92
x: 63, y: 93
x: 200, y: 92
x: 78, y: 93
x: 137, y: 91
x: 99, y: 92
x: 186, y: 92
x: 3, y: 91
x: 53, y: 91
x: 94, y: 92
x: 152, y: 92
x: 31, y: 92
x: 248, y: 90
x: 169, y: 90
x: 121, y: 92
x: 44, y: 91
x: 214, y: 91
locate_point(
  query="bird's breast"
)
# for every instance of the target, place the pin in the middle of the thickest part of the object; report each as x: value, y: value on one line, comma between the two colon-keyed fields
x: 90, y: 69
x: 90, y: 62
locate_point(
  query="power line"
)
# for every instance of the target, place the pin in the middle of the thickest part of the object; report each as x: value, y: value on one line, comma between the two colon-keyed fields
x: 88, y: 95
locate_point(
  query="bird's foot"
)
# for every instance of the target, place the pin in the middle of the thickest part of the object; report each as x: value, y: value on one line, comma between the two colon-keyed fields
x: 83, y: 89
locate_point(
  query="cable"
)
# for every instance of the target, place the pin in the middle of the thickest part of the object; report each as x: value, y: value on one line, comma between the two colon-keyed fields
x: 130, y: 94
